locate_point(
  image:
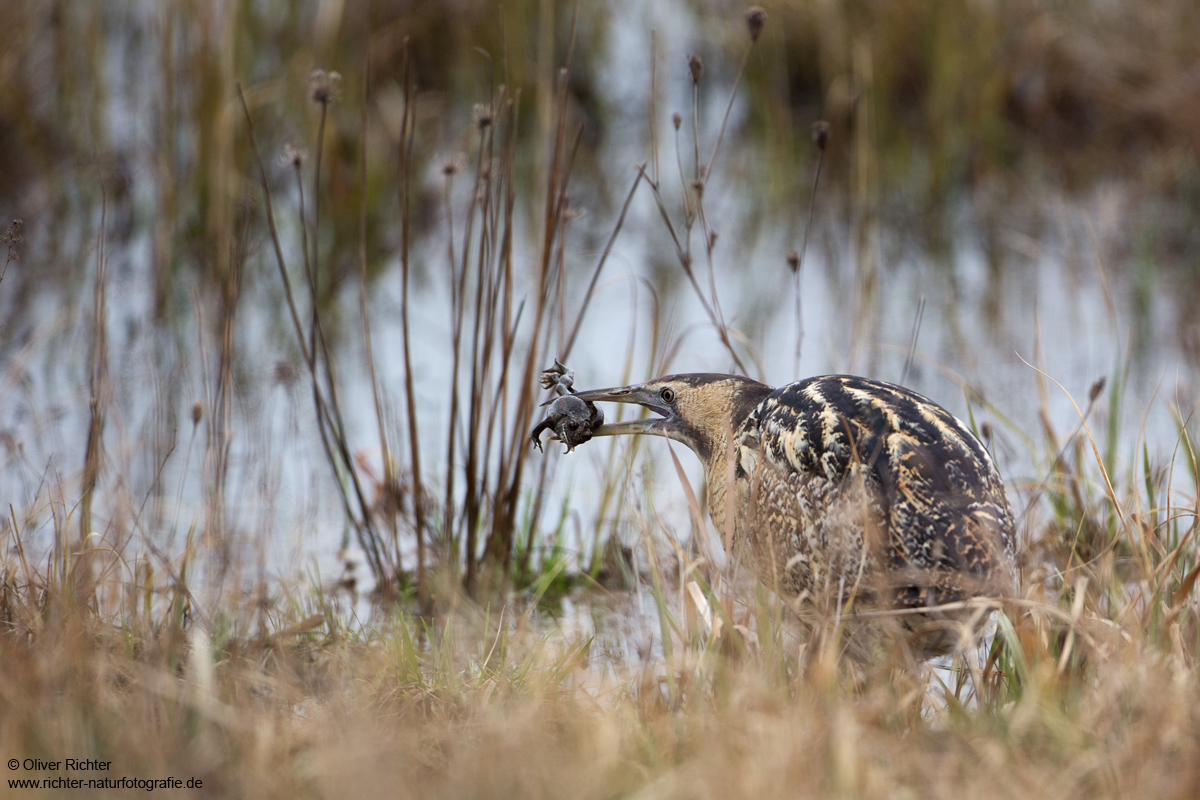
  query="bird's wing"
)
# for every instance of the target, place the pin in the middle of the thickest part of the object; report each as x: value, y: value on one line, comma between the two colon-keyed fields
x: 943, y: 504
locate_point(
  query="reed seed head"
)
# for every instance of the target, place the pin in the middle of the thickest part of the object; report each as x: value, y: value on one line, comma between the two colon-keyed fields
x: 793, y: 261
x: 676, y: 120
x: 324, y: 87
x: 13, y: 240
x: 820, y: 134
x: 454, y: 165
x: 1096, y: 389
x: 482, y: 116
x: 698, y: 188
x: 985, y: 431
x: 292, y: 156
x: 756, y: 18
x: 197, y: 412
x: 283, y: 373
x: 696, y: 67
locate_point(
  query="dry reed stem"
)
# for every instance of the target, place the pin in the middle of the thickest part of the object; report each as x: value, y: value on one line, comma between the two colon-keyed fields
x: 337, y: 453
x: 404, y: 170
x: 388, y: 495
x: 565, y: 349
x: 98, y: 378
x: 912, y: 342
x: 499, y: 544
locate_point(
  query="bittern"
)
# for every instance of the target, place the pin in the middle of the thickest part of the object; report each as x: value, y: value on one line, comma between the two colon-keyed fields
x: 843, y: 487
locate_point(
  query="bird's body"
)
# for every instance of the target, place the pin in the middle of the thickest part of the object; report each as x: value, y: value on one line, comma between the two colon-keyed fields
x: 844, y: 488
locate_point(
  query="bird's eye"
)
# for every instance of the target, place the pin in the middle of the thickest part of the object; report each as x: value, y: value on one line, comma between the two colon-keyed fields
x: 668, y: 394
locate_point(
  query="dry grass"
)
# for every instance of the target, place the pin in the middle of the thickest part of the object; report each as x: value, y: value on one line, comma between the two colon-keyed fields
x: 1093, y: 695
x: 1089, y: 689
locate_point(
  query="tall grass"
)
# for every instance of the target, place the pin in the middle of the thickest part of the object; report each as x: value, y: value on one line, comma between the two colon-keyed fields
x: 1088, y: 689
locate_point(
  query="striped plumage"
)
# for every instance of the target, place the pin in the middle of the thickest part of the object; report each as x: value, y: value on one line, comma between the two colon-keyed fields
x: 845, y: 488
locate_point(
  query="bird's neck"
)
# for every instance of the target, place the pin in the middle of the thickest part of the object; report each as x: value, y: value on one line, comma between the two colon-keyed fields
x: 718, y: 486
x: 712, y: 451
x: 727, y: 490
x: 713, y: 421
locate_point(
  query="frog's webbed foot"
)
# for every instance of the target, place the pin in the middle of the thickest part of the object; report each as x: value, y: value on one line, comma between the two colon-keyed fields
x: 558, y: 378
x: 536, y: 434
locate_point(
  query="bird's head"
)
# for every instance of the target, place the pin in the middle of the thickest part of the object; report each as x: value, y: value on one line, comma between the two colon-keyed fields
x: 696, y: 409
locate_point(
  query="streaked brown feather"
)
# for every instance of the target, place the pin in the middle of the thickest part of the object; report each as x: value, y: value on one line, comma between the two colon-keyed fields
x: 868, y: 489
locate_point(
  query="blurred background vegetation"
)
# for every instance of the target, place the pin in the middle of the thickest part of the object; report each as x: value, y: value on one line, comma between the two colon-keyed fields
x: 950, y: 121
x: 930, y: 103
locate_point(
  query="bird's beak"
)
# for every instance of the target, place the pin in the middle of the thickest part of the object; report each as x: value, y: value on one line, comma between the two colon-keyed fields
x: 638, y: 395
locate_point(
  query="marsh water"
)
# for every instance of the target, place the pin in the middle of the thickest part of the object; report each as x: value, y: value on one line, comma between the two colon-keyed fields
x: 1027, y: 300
